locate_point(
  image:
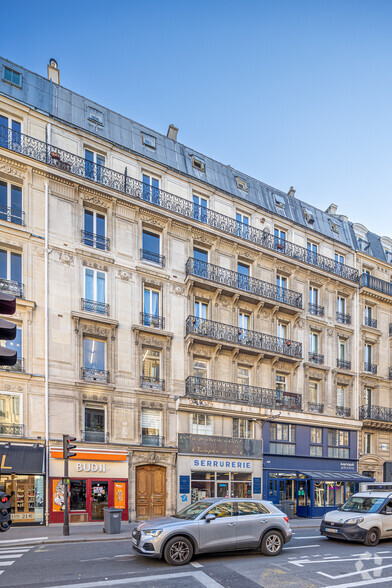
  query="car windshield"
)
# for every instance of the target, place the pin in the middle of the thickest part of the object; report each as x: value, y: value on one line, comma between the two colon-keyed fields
x: 363, y: 504
x: 192, y: 511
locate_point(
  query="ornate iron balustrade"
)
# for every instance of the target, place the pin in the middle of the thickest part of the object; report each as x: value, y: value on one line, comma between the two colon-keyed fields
x: 218, y: 391
x: 375, y: 413
x: 152, y: 383
x: 343, y: 364
x: 95, y: 375
x: 316, y: 309
x: 226, y: 277
x: 315, y: 407
x: 79, y: 166
x: 18, y: 367
x: 12, y: 215
x: 238, y: 336
x: 370, y: 367
x: 95, y: 435
x: 375, y: 284
x: 95, y: 240
x: 316, y: 358
x: 152, y: 440
x: 370, y: 322
x: 153, y: 257
x: 15, y: 288
x: 343, y: 411
x: 345, y: 319
x: 94, y: 306
x: 12, y: 429
x: 152, y: 320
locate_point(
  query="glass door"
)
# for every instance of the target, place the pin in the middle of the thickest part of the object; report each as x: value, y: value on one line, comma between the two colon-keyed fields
x: 99, y: 499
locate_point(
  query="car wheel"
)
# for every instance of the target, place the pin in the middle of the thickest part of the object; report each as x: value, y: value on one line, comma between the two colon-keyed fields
x: 372, y: 537
x: 272, y: 543
x: 178, y: 551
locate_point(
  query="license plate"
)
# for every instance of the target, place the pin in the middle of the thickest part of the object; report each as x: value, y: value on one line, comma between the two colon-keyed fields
x: 329, y: 530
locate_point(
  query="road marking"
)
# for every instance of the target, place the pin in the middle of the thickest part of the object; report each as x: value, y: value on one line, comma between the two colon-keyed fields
x: 314, y: 537
x: 25, y: 540
x: 15, y: 550
x: 202, y: 577
x: 301, y: 562
x: 196, y: 564
x: 10, y: 555
x: 364, y: 571
x: 362, y: 583
x: 7, y: 563
x: 300, y: 547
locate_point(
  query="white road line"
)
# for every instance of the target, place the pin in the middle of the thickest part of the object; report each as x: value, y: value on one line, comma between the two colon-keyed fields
x: 363, y: 571
x: 26, y: 540
x: 363, y: 583
x: 314, y: 537
x: 300, y: 547
x: 301, y: 562
x: 10, y: 555
x: 7, y: 563
x: 196, y: 564
x: 200, y: 576
x: 15, y: 550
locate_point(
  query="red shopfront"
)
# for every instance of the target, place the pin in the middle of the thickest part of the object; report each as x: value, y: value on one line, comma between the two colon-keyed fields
x: 97, y: 479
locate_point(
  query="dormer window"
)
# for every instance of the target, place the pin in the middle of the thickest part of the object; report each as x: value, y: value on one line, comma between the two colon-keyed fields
x: 198, y: 163
x: 308, y: 215
x: 362, y: 244
x: 95, y: 116
x: 12, y: 77
x: 148, y: 140
x: 279, y: 201
x: 241, y: 184
x: 334, y: 227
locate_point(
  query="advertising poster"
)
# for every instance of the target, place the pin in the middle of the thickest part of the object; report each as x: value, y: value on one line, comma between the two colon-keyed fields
x: 119, y: 495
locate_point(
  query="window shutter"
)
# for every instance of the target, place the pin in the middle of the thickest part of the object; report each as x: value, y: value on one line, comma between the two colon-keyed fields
x: 151, y: 419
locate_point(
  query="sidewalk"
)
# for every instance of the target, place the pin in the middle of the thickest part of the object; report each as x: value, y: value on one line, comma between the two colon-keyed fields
x: 93, y: 532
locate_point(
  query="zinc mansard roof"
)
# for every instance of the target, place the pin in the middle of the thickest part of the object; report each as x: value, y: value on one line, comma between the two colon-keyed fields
x: 71, y: 108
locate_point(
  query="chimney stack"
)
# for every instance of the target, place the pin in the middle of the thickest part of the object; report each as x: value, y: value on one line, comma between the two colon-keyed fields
x: 172, y: 133
x: 291, y: 192
x: 53, y: 71
x: 332, y: 209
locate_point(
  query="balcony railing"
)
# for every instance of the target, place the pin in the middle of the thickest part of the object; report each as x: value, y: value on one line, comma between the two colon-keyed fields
x: 375, y: 284
x: 370, y: 322
x: 316, y: 309
x: 152, y: 383
x: 12, y: 215
x: 238, y: 336
x: 226, y: 277
x: 18, y: 367
x: 79, y: 166
x: 15, y: 288
x: 343, y: 364
x: 152, y: 257
x: 390, y: 373
x: 152, y: 440
x: 343, y: 411
x: 218, y: 391
x: 94, y: 306
x: 93, y: 435
x: 95, y: 375
x: 95, y: 240
x: 345, y: 319
x: 315, y: 407
x: 316, y: 358
x: 371, y: 368
x: 152, y: 320
x: 11, y: 429
x: 376, y: 413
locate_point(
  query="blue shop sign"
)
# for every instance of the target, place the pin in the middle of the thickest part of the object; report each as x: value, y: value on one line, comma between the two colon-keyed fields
x: 185, y: 484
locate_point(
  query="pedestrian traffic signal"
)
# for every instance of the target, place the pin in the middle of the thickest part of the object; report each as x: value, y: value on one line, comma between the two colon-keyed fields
x: 5, y: 512
x: 7, y: 329
x: 67, y: 447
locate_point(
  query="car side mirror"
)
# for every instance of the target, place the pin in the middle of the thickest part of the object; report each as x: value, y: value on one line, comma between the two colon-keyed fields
x: 340, y: 506
x: 388, y: 510
x: 210, y: 517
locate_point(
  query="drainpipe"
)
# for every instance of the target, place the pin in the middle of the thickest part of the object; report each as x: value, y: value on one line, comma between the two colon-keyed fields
x: 47, y: 350
x: 357, y: 358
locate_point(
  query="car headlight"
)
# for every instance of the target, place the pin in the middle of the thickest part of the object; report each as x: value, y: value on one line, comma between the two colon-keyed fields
x: 153, y: 532
x: 354, y: 521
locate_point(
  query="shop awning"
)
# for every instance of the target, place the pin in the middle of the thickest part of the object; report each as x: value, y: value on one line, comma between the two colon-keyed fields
x: 337, y: 476
x: 22, y: 459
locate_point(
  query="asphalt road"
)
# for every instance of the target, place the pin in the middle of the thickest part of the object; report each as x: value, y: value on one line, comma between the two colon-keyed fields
x: 307, y: 561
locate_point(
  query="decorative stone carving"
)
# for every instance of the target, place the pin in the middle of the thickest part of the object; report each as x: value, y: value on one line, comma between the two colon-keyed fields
x: 329, y: 332
x: 12, y: 171
x: 369, y: 383
x: 65, y: 257
x: 153, y: 220
x: 225, y: 301
x: 204, y: 351
x: 179, y: 290
x: 316, y: 374
x: 98, y: 201
x: 300, y: 324
x: 202, y: 238
x: 125, y: 275
x: 95, y: 265
x: 282, y: 367
x: 284, y: 269
x: 95, y: 330
x: 149, y: 404
x: 152, y: 341
x: 246, y: 254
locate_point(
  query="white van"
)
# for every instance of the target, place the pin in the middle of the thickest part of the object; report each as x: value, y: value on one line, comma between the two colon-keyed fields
x: 365, y: 517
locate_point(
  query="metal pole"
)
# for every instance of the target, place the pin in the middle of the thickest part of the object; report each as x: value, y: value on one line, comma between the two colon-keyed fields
x: 66, y: 504
x: 47, y: 351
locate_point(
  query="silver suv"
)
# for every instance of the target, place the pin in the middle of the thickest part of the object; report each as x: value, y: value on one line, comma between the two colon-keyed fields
x: 214, y: 525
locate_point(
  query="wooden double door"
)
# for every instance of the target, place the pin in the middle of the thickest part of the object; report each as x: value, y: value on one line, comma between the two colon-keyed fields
x: 150, y: 491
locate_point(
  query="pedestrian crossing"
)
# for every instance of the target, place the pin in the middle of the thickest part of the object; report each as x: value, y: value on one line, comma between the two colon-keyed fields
x: 9, y: 555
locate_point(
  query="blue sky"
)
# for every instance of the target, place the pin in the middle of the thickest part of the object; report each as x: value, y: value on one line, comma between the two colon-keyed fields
x: 293, y: 92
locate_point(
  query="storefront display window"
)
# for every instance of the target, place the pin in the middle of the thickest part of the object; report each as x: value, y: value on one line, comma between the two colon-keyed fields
x: 78, y: 495
x: 221, y: 485
x: 27, y: 497
x: 319, y: 494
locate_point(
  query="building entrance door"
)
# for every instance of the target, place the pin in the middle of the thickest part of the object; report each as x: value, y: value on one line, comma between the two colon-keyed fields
x: 150, y: 491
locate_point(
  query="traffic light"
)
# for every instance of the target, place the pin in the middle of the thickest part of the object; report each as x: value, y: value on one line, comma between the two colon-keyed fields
x: 7, y: 329
x: 67, y: 447
x: 5, y: 512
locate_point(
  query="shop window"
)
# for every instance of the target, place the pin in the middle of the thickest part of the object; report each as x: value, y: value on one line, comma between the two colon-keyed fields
x: 94, y: 233
x: 150, y: 189
x: 316, y: 440
x: 338, y: 444
x: 202, y: 485
x: 151, y: 368
x: 367, y: 443
x: 27, y: 497
x: 282, y: 439
x: 94, y: 424
x: 11, y: 422
x: 77, y: 495
x: 242, y: 225
x: 202, y: 424
x: 200, y: 208
x: 243, y: 428
x: 151, y: 427
x: 11, y: 272
x: 220, y: 484
x: 11, y: 203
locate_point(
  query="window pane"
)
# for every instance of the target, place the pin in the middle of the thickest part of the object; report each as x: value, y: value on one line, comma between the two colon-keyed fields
x: 101, y: 287
x: 222, y: 510
x: 94, y: 354
x: 151, y: 242
x: 200, y: 255
x: 16, y: 344
x: 78, y: 495
x: 88, y: 221
x: 16, y: 267
x: 100, y: 225
x: 3, y: 198
x: 247, y: 508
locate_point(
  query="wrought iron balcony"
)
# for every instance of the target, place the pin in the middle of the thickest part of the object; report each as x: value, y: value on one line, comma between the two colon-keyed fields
x: 95, y: 375
x: 226, y: 277
x: 18, y: 367
x: 14, y: 288
x: 94, y: 306
x: 370, y: 322
x: 218, y: 391
x: 315, y: 407
x: 316, y: 309
x: 95, y: 240
x: 375, y: 284
x: 12, y: 215
x: 343, y: 364
x: 152, y: 320
x: 238, y: 336
x: 152, y: 440
x: 153, y: 257
x: 12, y: 429
x: 316, y: 358
x: 152, y: 383
x: 345, y: 319
x: 343, y: 411
x: 73, y: 164
x: 375, y: 413
x: 370, y: 367
x: 390, y: 373
x: 95, y: 435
